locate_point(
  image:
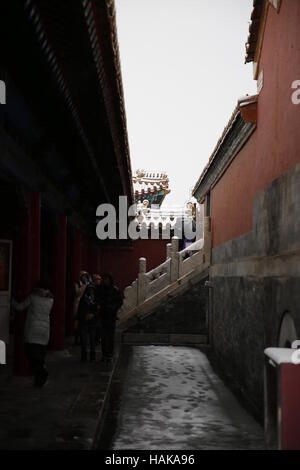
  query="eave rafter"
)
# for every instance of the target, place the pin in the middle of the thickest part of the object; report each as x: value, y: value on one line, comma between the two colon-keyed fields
x: 110, y: 85
x: 57, y: 69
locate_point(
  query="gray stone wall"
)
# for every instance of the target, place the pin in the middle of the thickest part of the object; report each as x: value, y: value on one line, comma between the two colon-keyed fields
x: 246, y: 318
x: 256, y: 279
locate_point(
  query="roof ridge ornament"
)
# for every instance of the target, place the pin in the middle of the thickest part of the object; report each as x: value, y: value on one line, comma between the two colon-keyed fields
x: 276, y: 4
x: 150, y: 185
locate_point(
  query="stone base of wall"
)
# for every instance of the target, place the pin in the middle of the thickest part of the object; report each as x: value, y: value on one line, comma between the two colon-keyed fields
x: 166, y: 339
x: 246, y: 319
x: 256, y: 280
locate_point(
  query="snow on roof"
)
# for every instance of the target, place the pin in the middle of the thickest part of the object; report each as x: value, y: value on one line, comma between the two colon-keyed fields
x: 217, y: 147
x: 242, y: 101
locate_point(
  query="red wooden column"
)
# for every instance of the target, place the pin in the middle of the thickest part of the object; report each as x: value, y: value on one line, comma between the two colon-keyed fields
x: 27, y: 273
x: 75, y: 268
x: 58, y: 315
x: 97, y: 257
x: 92, y: 258
x: 85, y: 253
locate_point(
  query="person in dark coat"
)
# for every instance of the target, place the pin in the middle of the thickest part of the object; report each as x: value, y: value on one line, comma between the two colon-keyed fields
x: 97, y: 280
x: 111, y: 300
x: 88, y: 320
x: 79, y: 288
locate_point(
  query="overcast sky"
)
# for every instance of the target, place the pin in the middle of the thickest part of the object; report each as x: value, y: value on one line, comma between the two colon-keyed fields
x: 183, y: 71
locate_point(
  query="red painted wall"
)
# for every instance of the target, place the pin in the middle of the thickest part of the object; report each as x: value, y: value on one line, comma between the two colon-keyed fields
x: 123, y: 263
x: 290, y: 407
x: 275, y: 146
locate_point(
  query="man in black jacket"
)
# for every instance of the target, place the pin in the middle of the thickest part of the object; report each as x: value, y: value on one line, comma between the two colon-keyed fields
x: 111, y: 300
x: 88, y: 319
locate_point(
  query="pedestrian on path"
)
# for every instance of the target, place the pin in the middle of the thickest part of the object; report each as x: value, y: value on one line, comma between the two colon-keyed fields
x: 111, y: 300
x: 79, y: 288
x: 97, y: 280
x: 88, y: 319
x: 37, y: 329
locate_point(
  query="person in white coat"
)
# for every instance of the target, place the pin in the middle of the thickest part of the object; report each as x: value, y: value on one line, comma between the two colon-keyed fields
x: 37, y: 329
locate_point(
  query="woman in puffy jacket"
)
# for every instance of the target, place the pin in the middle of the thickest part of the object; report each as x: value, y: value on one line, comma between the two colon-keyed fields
x: 37, y: 329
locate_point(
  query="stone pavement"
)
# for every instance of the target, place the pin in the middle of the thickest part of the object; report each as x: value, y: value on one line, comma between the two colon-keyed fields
x: 66, y: 414
x: 172, y: 399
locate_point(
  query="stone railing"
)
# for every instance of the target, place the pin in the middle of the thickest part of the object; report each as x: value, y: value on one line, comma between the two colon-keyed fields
x: 166, y: 218
x: 178, y: 264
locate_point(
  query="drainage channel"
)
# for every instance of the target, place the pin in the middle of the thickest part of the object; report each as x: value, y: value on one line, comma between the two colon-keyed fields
x: 168, y: 397
x: 117, y: 389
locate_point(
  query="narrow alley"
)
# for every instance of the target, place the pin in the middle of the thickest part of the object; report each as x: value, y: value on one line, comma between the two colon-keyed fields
x: 150, y: 229
x: 172, y: 399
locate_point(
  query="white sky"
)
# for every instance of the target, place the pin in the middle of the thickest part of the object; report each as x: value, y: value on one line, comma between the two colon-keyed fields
x: 183, y: 71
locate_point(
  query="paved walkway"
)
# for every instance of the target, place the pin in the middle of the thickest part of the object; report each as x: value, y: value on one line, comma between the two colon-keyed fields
x: 63, y: 415
x: 172, y: 399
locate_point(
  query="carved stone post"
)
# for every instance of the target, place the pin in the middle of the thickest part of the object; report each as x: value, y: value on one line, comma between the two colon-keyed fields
x: 174, y: 259
x: 142, y: 280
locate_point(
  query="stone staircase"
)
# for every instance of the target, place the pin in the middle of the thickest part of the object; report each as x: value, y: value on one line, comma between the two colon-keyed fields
x: 169, y: 305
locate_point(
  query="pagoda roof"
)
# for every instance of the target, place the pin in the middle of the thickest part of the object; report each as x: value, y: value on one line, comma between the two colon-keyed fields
x: 150, y: 183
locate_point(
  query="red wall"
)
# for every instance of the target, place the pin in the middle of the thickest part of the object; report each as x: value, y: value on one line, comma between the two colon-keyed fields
x: 124, y: 262
x: 275, y: 145
x: 290, y: 406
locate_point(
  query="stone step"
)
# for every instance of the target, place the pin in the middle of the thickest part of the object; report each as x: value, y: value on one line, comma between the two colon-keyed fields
x: 165, y: 338
x: 149, y: 307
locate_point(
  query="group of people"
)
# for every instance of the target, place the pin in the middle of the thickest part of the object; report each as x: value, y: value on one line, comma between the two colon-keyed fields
x: 97, y: 301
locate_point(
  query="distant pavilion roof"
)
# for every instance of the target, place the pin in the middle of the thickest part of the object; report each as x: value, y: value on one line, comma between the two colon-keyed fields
x: 153, y: 186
